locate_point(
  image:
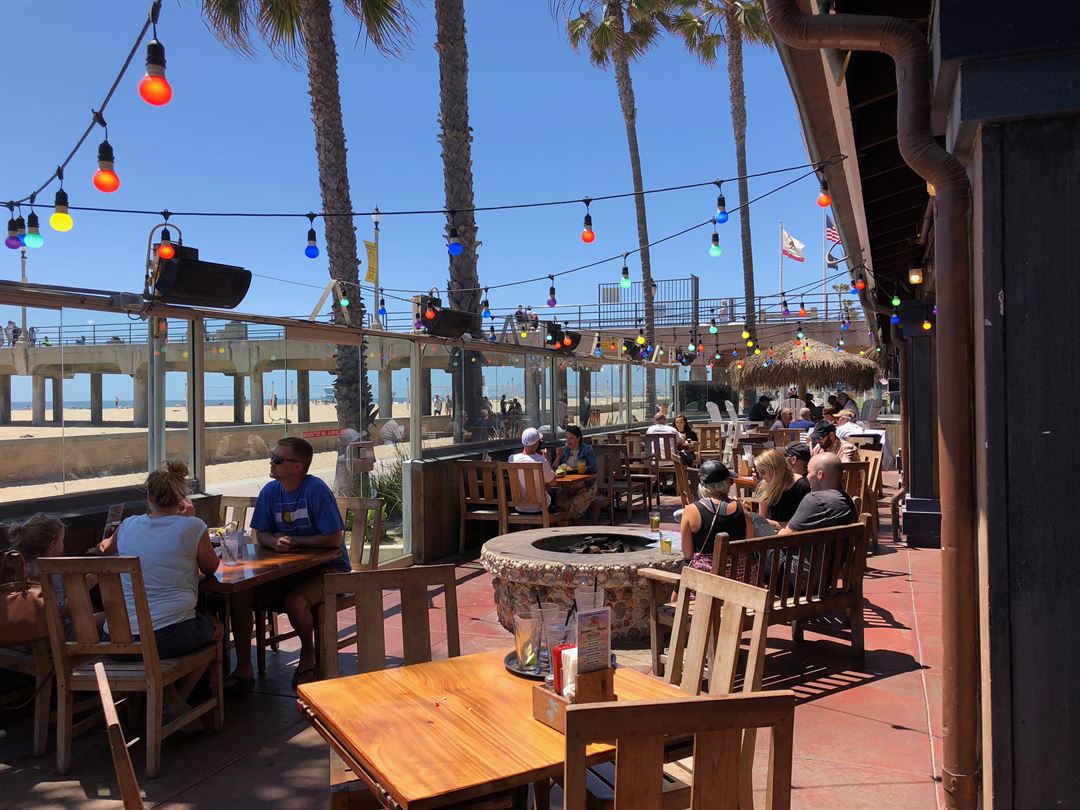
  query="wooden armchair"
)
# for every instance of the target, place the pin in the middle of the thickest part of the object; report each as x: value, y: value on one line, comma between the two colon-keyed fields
x: 527, y: 489
x: 481, y: 496
x: 150, y: 674
x: 717, y: 724
x: 125, y: 774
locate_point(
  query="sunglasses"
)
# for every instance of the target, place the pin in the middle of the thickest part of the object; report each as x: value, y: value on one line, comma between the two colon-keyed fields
x: 276, y: 459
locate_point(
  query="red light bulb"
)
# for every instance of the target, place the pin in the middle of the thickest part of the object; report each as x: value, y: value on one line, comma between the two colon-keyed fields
x: 824, y: 199
x: 587, y: 235
x: 105, y: 178
x: 860, y: 284
x: 166, y: 250
x: 802, y: 311
x: 154, y: 87
x: 429, y: 313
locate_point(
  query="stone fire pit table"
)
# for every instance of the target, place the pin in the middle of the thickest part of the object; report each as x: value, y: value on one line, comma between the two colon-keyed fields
x: 529, y: 563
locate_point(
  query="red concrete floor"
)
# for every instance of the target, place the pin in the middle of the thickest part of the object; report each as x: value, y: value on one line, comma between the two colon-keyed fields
x: 867, y: 735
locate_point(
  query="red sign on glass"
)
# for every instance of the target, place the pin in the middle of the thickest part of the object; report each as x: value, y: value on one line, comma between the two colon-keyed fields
x: 318, y: 434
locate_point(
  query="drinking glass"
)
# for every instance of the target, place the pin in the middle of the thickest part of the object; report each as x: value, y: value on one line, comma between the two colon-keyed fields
x: 527, y: 632
x: 231, y: 545
x: 654, y: 521
x: 665, y: 543
x: 556, y: 633
x: 581, y: 467
x: 587, y: 598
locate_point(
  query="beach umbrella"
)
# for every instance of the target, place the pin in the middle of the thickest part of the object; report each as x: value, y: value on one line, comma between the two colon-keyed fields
x: 805, y: 364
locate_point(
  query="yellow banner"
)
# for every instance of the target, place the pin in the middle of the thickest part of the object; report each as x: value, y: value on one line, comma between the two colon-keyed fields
x: 372, y: 262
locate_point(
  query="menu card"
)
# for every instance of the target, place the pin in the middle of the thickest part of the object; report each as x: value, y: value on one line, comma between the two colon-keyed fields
x: 594, y: 639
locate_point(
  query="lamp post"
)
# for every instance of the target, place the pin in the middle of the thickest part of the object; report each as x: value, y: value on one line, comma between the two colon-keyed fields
x: 376, y: 218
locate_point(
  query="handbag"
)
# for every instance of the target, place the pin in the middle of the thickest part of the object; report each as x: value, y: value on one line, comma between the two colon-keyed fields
x: 22, y: 606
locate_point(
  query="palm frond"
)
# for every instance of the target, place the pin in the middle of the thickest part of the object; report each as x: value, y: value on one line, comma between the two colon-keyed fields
x: 700, y: 37
x: 602, y: 40
x: 279, y: 25
x: 229, y: 21
x: 643, y: 34
x: 387, y: 24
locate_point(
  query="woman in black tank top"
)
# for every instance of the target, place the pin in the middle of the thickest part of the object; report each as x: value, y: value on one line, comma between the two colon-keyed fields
x: 712, y: 514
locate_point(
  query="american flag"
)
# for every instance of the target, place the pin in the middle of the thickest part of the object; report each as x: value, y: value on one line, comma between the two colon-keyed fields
x: 831, y: 233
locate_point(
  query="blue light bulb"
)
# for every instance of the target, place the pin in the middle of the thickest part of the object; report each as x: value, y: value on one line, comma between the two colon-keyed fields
x: 454, y: 248
x: 721, y: 217
x: 894, y: 319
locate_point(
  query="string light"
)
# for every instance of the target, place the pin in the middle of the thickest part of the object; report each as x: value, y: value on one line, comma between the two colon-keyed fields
x: 926, y: 325
x: 61, y: 220
x: 784, y: 306
x: 12, y: 240
x: 33, y: 238
x: 714, y: 249
x: 750, y: 343
x: 824, y: 199
x: 895, y: 300
x: 860, y: 283
x: 757, y: 350
x: 312, y: 249
x: 106, y: 180
x: 382, y: 304
x: 624, y: 280
x: 588, y: 235
x: 915, y: 275
x: 429, y: 313
x: 802, y: 306
x: 453, y: 242
x: 20, y: 225
x: 745, y: 334
x: 551, y: 293
x: 154, y: 87
x: 640, y: 337
x: 344, y: 302
x: 524, y: 332
x: 800, y: 334
x: 713, y: 329
x: 721, y: 207
x: 700, y: 346
x: 485, y: 306
x: 895, y: 318
x: 165, y: 248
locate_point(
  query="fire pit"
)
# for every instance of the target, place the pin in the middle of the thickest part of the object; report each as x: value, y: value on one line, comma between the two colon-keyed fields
x: 550, y: 563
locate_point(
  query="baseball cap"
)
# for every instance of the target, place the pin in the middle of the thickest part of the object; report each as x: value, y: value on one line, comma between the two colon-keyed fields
x: 713, y: 472
x: 764, y: 398
x: 530, y: 436
x: 798, y: 450
x: 822, y: 429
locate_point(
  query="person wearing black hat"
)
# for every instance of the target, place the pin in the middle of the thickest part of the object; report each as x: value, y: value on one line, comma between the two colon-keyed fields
x: 824, y: 440
x: 798, y: 457
x: 760, y: 411
x: 714, y: 512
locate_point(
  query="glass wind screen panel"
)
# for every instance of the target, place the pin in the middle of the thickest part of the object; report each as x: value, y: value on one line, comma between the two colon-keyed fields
x: 174, y: 343
x: 602, y: 397
x: 638, y: 406
x: 72, y: 401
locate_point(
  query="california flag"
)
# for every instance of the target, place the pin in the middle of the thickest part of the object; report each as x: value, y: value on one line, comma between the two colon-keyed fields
x: 791, y: 247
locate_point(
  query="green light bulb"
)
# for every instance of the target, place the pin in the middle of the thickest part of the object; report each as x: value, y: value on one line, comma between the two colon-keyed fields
x: 716, y: 251
x: 344, y: 302
x: 896, y: 300
x: 34, y: 240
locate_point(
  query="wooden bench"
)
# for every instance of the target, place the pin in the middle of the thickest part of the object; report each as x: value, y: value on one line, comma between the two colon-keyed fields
x: 824, y: 575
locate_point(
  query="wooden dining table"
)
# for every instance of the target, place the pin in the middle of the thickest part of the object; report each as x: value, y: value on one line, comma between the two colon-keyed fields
x: 571, y: 478
x: 448, y: 731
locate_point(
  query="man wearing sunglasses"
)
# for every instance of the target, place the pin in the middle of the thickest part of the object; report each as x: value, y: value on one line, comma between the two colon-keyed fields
x: 294, y: 511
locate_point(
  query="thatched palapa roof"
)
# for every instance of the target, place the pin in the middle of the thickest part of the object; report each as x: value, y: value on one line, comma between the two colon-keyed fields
x: 810, y: 364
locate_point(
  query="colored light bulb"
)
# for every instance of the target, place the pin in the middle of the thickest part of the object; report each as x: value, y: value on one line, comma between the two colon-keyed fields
x: 700, y: 347
x: 382, y: 308
x: 824, y: 199
x: 551, y: 296
x: 749, y: 344
x: 567, y: 341
x: 20, y: 232
x: 625, y: 282
x: 757, y: 350
x: 429, y: 313
x: 13, y: 240
x: 165, y: 248
x: 714, y: 249
x: 690, y: 346
x: 800, y: 334
x: 524, y: 333
x: 587, y: 233
x: 154, y: 87
x: 106, y: 180
x: 895, y: 301
x: 312, y: 249
x: 712, y: 327
x: 926, y: 325
x: 745, y: 334
x: 33, y: 238
x: 860, y: 284
x: 344, y: 302
x: 453, y: 243
x: 895, y: 318
x: 717, y: 356
x: 721, y: 210
x: 640, y: 338
x: 802, y: 311
x: 61, y: 220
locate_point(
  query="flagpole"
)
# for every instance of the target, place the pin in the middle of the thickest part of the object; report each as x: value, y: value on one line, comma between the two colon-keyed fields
x: 781, y: 259
x: 824, y: 263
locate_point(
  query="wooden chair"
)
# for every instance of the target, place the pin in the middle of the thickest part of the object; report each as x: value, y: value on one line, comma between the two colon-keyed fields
x: 717, y: 724
x: 125, y: 774
x: 662, y: 448
x: 709, y: 647
x: 604, y: 498
x: 782, y: 437
x: 236, y: 509
x: 74, y: 659
x: 682, y: 484
x: 36, y: 663
x: 527, y: 488
x: 625, y: 486
x: 643, y: 463
x: 855, y: 476
x: 481, y: 496
x: 359, y: 515
x: 710, y: 442
x: 873, y: 490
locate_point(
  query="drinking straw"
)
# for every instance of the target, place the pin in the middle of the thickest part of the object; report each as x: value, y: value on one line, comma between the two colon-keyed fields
x: 538, y: 603
x: 570, y: 613
x: 594, y: 584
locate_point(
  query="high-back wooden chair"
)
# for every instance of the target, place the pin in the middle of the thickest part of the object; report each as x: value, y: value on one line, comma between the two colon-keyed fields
x: 710, y: 442
x: 125, y: 774
x: 236, y: 509
x: 527, y: 489
x: 682, y: 484
x: 662, y: 447
x: 604, y: 498
x: 717, y: 723
x: 855, y: 476
x: 481, y: 496
x: 624, y: 485
x: 150, y: 674
x: 782, y: 437
x: 873, y: 456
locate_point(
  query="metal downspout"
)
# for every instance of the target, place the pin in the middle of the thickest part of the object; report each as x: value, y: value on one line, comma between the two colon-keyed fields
x: 908, y: 48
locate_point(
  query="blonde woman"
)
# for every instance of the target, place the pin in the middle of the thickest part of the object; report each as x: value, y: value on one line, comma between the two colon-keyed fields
x: 780, y: 490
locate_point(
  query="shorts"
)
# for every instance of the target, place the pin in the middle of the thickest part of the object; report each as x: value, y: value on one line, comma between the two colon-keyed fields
x: 177, y: 639
x: 308, y: 585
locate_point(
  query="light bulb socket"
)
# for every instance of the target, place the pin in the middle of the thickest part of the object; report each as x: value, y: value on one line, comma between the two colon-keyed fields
x: 716, y: 240
x: 20, y: 225
x: 60, y: 203
x: 155, y: 58
x: 32, y: 223
x: 588, y: 222
x: 105, y: 155
x: 166, y: 237
x: 311, y: 239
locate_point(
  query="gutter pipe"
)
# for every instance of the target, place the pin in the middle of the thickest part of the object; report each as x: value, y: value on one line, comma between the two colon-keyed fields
x: 908, y: 48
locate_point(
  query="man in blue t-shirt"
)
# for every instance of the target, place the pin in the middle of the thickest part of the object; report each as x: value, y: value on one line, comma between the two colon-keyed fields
x: 294, y: 511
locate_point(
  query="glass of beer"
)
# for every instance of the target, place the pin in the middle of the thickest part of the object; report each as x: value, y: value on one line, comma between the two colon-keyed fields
x: 581, y: 467
x: 654, y: 521
x: 665, y: 543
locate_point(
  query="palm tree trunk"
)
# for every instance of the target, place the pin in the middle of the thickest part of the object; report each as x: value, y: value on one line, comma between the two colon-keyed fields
x: 352, y: 390
x: 621, y: 61
x: 738, y: 124
x: 455, y: 136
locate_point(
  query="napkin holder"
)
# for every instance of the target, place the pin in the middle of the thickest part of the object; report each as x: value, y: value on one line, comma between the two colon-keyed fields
x: 549, y: 707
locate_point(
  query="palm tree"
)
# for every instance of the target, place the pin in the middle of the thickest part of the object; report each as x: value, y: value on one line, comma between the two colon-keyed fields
x: 600, y: 26
x: 704, y: 25
x: 455, y: 137
x: 290, y: 27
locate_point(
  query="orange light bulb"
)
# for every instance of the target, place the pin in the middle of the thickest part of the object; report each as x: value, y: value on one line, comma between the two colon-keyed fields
x: 824, y: 200
x: 588, y: 236
x: 106, y: 180
x: 155, y: 90
x: 166, y: 250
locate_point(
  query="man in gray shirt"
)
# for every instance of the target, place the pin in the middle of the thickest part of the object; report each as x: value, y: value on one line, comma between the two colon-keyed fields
x: 827, y: 504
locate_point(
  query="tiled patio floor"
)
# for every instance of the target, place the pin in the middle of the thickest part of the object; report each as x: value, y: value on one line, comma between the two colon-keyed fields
x: 866, y: 736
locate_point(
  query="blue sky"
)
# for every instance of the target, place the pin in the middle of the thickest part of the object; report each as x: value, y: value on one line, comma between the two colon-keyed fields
x: 237, y: 136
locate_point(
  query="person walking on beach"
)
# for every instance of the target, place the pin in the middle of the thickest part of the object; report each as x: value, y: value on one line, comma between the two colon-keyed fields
x: 116, y: 399
x: 436, y: 405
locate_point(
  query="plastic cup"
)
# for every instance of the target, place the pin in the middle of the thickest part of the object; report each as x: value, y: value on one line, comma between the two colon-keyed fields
x: 581, y: 467
x: 231, y: 545
x: 556, y: 633
x: 654, y: 521
x: 665, y: 544
x: 587, y: 598
x: 527, y: 635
